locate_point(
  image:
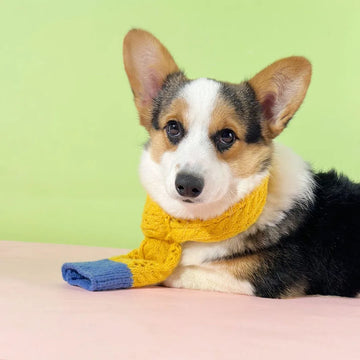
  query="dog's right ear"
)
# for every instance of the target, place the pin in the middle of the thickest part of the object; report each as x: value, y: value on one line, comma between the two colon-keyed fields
x: 147, y: 64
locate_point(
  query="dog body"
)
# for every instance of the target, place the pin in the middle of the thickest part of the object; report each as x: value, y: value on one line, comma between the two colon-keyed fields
x: 211, y: 144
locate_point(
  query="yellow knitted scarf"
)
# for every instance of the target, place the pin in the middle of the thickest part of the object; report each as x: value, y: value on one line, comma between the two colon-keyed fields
x: 160, y: 251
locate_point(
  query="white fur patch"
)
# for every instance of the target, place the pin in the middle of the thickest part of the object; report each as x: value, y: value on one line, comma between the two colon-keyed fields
x: 200, y: 96
x: 196, y: 154
x: 207, y: 278
x: 291, y: 180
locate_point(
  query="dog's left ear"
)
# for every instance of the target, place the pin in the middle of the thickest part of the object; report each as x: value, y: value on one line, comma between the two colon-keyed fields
x: 147, y: 64
x: 281, y: 88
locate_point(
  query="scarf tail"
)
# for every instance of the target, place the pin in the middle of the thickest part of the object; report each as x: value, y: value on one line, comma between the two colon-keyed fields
x: 160, y: 251
x: 126, y: 271
x: 98, y: 275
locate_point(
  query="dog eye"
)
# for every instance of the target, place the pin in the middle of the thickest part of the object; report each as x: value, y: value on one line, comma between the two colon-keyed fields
x: 175, y: 131
x: 227, y: 136
x: 224, y: 139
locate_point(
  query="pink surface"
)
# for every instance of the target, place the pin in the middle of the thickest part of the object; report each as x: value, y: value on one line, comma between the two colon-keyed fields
x: 41, y: 317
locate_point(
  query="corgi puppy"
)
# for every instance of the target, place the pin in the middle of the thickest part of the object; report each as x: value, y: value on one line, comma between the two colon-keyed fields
x: 211, y: 144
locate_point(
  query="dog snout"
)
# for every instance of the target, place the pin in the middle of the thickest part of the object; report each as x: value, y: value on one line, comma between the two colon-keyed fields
x: 189, y: 185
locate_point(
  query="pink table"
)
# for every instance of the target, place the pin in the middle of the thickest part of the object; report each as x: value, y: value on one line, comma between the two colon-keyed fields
x: 41, y: 317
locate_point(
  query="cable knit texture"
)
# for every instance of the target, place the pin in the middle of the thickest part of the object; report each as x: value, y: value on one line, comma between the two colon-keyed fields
x: 160, y: 251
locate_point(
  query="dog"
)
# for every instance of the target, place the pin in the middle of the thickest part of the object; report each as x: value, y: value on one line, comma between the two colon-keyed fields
x: 210, y: 144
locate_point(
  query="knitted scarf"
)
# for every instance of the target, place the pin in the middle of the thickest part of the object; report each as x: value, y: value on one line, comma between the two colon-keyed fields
x: 160, y: 251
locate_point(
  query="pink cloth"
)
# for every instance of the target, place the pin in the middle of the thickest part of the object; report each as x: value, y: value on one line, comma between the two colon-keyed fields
x: 42, y: 317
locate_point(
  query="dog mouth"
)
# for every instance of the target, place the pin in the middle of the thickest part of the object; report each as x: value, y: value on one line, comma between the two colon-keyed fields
x: 188, y: 201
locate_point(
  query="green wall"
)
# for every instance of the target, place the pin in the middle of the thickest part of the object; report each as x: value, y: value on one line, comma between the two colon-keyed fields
x: 70, y: 140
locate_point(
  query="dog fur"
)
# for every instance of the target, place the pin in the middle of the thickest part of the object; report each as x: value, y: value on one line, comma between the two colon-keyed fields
x: 219, y: 137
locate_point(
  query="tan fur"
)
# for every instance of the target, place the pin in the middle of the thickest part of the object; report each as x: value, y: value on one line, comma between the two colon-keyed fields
x: 159, y: 140
x: 159, y: 144
x: 177, y: 110
x: 244, y: 159
x: 147, y: 64
x: 296, y: 290
x: 287, y: 81
x: 243, y: 267
x: 224, y: 117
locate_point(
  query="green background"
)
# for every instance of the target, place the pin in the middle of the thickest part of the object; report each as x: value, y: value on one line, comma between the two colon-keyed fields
x: 69, y: 135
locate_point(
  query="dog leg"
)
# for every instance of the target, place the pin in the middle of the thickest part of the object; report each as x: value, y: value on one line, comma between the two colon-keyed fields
x: 207, y: 278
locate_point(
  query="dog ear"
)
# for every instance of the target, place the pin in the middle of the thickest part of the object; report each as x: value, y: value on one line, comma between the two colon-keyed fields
x: 147, y: 64
x: 281, y: 88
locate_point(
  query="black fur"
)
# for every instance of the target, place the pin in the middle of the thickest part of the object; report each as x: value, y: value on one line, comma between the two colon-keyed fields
x: 169, y: 90
x: 322, y: 254
x: 242, y: 97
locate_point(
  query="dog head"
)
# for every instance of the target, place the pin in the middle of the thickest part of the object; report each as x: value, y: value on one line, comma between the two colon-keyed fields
x: 210, y: 141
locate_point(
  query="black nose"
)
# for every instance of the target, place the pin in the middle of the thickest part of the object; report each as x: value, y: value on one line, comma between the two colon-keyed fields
x: 189, y: 185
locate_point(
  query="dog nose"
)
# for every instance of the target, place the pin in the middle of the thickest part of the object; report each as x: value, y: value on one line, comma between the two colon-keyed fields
x: 189, y: 185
